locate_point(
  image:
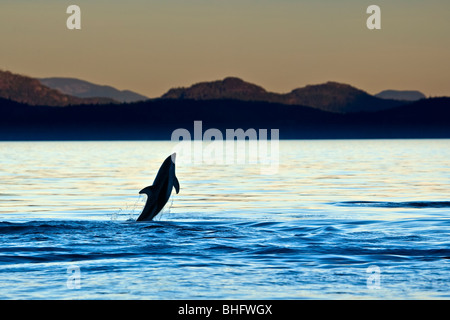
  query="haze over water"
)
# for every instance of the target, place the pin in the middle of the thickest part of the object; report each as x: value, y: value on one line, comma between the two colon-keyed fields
x: 313, y: 230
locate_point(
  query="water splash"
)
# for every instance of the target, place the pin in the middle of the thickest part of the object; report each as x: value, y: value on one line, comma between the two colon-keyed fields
x: 129, y: 210
x: 166, y: 210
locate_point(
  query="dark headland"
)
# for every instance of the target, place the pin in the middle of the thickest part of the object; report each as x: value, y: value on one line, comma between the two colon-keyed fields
x: 30, y: 110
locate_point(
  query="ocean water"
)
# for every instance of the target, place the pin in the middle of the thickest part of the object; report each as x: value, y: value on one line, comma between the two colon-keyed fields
x: 335, y: 220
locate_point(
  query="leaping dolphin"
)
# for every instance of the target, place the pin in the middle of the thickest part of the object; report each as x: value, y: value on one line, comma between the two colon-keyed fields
x: 159, y: 193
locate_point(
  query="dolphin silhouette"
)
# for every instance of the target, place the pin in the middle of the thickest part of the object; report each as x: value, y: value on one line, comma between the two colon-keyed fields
x: 159, y: 193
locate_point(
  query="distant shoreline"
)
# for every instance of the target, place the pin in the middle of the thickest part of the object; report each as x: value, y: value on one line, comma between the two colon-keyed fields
x: 157, y: 119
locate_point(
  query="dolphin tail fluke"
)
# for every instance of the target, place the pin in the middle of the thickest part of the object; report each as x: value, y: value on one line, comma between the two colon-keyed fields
x: 176, y: 184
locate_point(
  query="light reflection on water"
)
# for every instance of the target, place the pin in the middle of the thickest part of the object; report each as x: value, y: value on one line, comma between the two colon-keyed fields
x: 292, y: 234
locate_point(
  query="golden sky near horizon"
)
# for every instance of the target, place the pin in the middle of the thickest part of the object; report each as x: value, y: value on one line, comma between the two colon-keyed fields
x: 151, y: 46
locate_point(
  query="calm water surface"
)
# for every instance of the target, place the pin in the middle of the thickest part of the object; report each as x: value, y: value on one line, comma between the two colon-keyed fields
x: 340, y: 219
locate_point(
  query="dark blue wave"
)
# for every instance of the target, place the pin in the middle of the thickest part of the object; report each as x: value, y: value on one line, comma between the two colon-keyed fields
x: 389, y: 204
x: 276, y: 243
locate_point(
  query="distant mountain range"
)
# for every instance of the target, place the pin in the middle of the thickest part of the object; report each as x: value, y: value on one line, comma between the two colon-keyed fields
x: 84, y: 89
x: 29, y: 111
x: 31, y: 91
x: 331, y: 96
x: 401, y: 95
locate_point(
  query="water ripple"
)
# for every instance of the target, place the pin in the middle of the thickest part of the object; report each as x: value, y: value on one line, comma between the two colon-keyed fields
x: 230, y: 233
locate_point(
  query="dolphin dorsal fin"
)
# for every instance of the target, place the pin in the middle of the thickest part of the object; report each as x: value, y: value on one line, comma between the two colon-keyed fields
x: 176, y: 184
x: 150, y: 190
x: 147, y: 190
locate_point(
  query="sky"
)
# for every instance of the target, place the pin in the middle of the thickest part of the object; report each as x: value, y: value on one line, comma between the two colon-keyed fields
x: 150, y: 46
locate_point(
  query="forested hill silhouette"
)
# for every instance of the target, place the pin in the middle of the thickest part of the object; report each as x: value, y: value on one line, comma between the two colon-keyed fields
x: 331, y: 96
x: 157, y: 119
